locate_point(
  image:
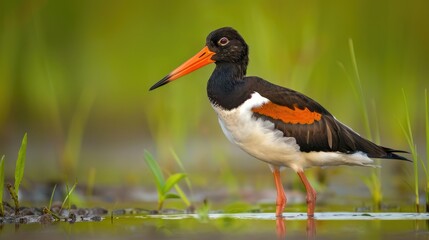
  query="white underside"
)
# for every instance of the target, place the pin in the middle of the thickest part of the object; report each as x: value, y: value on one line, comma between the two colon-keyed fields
x: 259, y: 138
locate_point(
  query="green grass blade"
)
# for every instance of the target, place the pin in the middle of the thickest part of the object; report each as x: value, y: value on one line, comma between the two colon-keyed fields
x: 360, y: 90
x: 177, y: 159
x: 156, y: 170
x: 69, y: 193
x: 373, y: 182
x: 427, y: 129
x: 1, y: 185
x: 413, y: 147
x: 182, y: 195
x: 407, y: 115
x: 20, y: 163
x: 66, y: 198
x: 52, y: 197
x: 427, y: 148
x: 179, y: 162
x: 171, y: 181
x: 353, y: 57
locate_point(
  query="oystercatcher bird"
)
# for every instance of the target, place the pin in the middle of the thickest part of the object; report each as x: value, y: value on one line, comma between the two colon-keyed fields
x: 277, y: 125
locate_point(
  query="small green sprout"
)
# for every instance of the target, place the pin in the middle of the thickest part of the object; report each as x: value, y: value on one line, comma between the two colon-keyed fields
x: 52, y: 197
x: 164, y: 185
x: 47, y: 210
x: 204, y: 211
x: 19, y: 173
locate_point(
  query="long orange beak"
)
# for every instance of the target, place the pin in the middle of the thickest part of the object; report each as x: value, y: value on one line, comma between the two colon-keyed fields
x: 201, y: 59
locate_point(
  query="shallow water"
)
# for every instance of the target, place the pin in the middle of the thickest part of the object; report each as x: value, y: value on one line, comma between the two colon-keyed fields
x: 327, y: 225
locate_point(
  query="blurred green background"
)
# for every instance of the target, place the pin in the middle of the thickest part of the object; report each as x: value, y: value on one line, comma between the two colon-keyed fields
x: 75, y: 76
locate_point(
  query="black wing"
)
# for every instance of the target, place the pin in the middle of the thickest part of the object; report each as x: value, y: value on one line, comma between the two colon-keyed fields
x: 313, y: 127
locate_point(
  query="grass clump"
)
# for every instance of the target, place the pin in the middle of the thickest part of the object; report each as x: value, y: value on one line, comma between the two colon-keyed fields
x: 163, y: 185
x: 66, y: 201
x: 47, y: 210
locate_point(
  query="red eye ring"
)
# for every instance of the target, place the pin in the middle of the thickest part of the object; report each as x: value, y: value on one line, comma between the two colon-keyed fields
x: 223, y: 41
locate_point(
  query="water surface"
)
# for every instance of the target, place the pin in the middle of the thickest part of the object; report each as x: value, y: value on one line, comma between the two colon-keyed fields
x: 326, y: 225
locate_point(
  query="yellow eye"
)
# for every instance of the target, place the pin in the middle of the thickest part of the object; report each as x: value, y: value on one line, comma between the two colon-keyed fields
x: 223, y: 41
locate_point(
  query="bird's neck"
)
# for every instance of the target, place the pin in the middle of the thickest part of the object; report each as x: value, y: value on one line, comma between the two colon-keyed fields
x: 225, y: 80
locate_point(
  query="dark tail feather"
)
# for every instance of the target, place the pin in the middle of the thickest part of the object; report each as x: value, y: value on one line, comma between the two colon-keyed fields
x: 354, y: 141
x: 390, y: 154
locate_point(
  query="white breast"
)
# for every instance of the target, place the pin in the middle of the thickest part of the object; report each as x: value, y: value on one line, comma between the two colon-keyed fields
x: 260, y: 139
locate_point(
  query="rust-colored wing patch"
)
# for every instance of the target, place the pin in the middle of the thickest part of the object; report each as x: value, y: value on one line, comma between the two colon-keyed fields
x: 288, y: 115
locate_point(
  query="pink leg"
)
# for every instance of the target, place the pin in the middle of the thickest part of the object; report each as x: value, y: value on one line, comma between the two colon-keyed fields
x: 311, y: 228
x: 281, y: 196
x: 280, y: 228
x: 311, y: 194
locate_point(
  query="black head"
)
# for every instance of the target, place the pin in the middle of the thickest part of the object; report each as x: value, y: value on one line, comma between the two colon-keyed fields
x: 223, y: 45
x: 228, y: 46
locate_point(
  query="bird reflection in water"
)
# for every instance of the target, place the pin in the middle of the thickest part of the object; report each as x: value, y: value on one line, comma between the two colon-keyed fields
x: 281, y: 228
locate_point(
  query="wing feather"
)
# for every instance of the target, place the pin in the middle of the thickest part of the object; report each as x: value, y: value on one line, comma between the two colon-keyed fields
x: 313, y: 127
